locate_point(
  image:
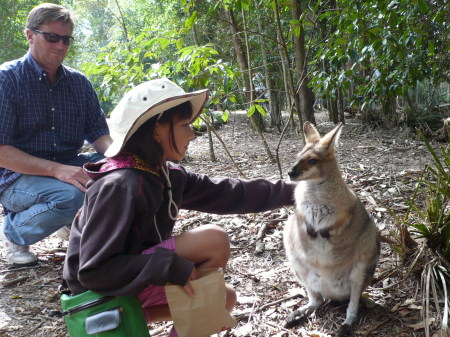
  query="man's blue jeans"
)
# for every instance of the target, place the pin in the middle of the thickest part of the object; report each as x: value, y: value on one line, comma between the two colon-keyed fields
x: 38, y: 206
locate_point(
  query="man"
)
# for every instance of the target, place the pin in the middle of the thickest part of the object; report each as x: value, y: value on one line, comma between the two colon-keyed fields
x: 47, y: 110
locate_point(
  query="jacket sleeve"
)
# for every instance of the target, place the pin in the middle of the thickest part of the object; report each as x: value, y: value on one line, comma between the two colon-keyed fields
x: 235, y: 196
x: 108, y: 260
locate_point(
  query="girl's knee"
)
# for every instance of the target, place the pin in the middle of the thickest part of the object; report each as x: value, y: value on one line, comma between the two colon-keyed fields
x: 208, y: 246
x: 217, y: 237
x: 231, y: 298
x: 213, y: 229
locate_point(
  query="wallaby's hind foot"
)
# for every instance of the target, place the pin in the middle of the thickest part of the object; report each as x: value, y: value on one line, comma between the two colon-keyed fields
x: 345, y: 331
x: 293, y: 319
x: 296, y: 317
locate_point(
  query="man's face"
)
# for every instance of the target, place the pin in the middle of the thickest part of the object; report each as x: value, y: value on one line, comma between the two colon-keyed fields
x: 49, y: 55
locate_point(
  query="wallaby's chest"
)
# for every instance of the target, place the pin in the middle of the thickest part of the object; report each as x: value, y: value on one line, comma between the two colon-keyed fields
x: 317, y: 219
x: 321, y: 209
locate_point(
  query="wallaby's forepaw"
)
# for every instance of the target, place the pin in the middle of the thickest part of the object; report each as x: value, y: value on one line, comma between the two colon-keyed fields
x: 345, y: 331
x: 293, y: 319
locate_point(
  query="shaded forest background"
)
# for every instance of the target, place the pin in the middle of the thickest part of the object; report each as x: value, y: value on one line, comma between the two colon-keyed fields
x: 387, y: 60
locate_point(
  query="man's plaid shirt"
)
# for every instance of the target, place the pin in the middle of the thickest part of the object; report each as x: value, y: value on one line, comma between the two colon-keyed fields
x: 44, y: 120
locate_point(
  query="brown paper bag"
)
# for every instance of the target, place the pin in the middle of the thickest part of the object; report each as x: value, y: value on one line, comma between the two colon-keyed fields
x: 204, y: 314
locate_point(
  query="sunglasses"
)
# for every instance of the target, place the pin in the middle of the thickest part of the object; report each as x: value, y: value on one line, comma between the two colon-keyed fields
x: 54, y: 38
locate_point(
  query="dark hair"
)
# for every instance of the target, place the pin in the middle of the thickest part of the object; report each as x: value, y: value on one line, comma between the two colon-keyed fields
x: 48, y: 12
x: 143, y: 143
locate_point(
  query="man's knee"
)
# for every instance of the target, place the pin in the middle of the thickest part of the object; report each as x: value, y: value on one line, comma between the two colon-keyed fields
x: 71, y: 199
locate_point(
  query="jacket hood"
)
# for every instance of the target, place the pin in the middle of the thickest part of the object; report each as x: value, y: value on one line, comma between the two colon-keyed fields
x: 122, y: 161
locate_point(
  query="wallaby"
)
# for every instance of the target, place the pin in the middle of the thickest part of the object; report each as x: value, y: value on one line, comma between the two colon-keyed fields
x: 331, y: 242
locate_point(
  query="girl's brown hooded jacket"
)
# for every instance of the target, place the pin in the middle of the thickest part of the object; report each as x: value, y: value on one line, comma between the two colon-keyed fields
x: 123, y: 207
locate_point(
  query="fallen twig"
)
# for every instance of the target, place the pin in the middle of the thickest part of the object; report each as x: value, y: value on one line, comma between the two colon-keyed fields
x: 37, y: 326
x: 18, y: 269
x: 8, y: 283
x: 260, y: 247
x: 276, y: 302
x: 374, y: 328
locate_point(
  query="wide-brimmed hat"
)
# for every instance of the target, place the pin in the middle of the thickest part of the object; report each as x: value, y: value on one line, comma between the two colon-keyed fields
x: 145, y: 101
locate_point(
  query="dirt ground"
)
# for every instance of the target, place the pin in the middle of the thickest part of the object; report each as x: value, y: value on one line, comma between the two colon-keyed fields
x: 380, y: 165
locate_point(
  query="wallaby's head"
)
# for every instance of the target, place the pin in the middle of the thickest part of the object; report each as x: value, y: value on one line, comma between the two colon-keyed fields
x: 317, y: 159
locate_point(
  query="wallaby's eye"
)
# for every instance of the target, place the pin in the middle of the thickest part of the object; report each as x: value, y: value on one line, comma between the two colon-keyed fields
x: 312, y: 162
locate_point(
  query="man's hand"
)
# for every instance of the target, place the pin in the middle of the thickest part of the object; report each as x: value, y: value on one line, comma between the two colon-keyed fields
x: 72, y: 175
x: 18, y: 161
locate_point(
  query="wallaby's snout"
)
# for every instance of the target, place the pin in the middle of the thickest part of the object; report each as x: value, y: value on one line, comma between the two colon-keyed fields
x: 306, y: 167
x: 293, y: 173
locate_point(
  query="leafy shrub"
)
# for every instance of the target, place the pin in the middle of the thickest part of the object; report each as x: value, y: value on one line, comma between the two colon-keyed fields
x: 431, y: 222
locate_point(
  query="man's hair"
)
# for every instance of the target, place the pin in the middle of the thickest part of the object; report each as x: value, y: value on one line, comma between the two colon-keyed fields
x: 48, y: 12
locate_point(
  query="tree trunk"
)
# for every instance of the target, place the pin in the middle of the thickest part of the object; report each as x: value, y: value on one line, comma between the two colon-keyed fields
x: 285, y: 57
x: 332, y: 108
x: 274, y: 109
x: 285, y: 72
x: 306, y: 97
x: 242, y: 61
x: 340, y: 106
x: 256, y: 118
x: 389, y: 107
x: 212, y: 154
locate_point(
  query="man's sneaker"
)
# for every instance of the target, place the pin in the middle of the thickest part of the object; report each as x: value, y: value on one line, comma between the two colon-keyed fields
x: 18, y: 256
x: 63, y: 233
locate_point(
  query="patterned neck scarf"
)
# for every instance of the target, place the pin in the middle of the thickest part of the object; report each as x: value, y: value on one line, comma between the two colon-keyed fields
x: 127, y: 160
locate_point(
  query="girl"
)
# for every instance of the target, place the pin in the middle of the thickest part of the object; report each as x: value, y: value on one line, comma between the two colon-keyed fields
x: 121, y: 241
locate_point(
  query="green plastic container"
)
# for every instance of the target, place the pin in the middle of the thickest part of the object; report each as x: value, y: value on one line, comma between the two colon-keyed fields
x: 91, y: 314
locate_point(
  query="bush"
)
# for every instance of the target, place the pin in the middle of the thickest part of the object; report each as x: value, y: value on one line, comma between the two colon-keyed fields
x: 431, y: 222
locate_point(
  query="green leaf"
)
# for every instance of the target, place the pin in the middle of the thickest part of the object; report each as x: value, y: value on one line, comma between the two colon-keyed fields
x: 296, y: 27
x: 251, y: 111
x: 431, y: 48
x: 190, y: 22
x: 245, y: 4
x: 422, y: 6
x: 225, y: 116
x: 421, y: 228
x: 261, y: 110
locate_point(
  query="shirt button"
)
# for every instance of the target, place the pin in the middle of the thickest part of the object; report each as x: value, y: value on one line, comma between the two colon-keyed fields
x: 51, y: 90
x: 53, y: 109
x: 53, y: 128
x: 54, y: 144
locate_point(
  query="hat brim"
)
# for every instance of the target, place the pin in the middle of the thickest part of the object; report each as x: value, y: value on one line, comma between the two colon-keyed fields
x: 198, y: 100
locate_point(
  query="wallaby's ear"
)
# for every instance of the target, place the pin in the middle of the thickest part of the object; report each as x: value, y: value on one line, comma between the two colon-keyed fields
x: 311, y: 134
x: 330, y: 139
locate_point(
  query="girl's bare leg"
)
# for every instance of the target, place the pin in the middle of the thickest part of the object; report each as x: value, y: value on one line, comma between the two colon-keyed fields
x: 159, y: 313
x: 208, y: 247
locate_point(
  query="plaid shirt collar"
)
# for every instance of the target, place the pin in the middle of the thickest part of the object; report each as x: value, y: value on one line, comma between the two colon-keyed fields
x: 28, y: 58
